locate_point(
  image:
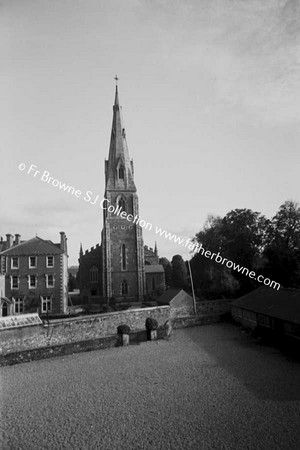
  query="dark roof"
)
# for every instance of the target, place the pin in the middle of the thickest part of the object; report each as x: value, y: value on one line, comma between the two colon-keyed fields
x: 34, y: 246
x: 3, y: 245
x: 168, y: 295
x: 282, y: 304
x: 153, y: 268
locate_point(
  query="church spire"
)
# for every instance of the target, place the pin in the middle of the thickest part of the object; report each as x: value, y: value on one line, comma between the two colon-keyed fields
x: 118, y: 167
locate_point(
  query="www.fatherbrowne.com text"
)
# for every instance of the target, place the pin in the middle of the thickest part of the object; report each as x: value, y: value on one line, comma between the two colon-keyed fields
x: 104, y: 204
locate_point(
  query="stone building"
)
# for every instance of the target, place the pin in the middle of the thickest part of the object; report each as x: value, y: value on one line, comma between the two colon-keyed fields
x: 121, y: 270
x: 33, y: 276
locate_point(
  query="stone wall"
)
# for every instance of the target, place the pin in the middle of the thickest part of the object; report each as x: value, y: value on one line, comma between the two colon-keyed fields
x: 213, y: 306
x: 69, y: 331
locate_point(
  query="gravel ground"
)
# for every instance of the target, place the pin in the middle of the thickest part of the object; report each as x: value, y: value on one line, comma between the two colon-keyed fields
x: 209, y: 387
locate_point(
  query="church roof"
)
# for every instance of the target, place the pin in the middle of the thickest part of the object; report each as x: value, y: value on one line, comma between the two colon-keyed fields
x: 154, y: 268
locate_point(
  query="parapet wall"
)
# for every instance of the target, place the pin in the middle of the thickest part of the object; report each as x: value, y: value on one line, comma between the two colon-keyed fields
x: 68, y: 331
x: 213, y: 306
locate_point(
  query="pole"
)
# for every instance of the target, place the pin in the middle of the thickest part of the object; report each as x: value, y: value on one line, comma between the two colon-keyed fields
x: 192, y: 284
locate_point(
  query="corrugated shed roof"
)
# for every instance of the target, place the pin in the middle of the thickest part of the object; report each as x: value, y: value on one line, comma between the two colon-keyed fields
x: 154, y: 268
x: 283, y: 304
x: 34, y: 246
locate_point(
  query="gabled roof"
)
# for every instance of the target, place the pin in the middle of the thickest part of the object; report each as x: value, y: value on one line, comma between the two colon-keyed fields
x: 168, y: 295
x: 34, y: 246
x: 176, y: 298
x: 154, y: 268
x: 283, y: 304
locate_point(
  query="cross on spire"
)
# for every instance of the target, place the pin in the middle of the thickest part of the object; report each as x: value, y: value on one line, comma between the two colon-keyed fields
x: 117, y: 79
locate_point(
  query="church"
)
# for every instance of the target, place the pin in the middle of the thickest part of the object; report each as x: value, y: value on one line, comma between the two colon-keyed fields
x: 121, y: 271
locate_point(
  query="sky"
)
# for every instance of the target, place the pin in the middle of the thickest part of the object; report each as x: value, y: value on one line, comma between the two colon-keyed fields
x: 210, y: 94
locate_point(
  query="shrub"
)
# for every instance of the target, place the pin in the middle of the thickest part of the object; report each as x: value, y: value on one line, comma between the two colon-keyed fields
x: 151, y: 324
x: 123, y: 329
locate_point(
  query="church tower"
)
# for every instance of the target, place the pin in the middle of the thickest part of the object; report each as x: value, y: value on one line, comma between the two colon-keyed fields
x: 122, y: 240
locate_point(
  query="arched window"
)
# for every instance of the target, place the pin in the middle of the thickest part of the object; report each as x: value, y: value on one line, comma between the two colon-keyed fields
x: 122, y: 204
x: 124, y: 287
x: 94, y: 274
x: 4, y: 309
x: 123, y: 257
x: 121, y: 173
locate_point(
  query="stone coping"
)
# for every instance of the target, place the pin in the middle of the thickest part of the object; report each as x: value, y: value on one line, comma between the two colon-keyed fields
x: 104, y: 315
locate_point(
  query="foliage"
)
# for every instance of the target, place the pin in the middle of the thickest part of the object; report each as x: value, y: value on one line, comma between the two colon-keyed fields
x: 246, y: 237
x: 179, y: 272
x: 168, y: 270
x: 151, y: 324
x: 123, y: 329
x: 72, y: 284
x: 282, y: 252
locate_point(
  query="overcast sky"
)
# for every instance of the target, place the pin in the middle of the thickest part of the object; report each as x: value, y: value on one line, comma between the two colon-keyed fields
x: 211, y: 99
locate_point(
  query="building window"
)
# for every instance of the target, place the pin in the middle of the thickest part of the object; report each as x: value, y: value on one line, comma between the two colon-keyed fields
x: 49, y: 281
x: 19, y: 305
x: 32, y: 281
x: 14, y: 282
x: 124, y: 287
x: 32, y: 262
x: 153, y: 284
x: 46, y: 304
x: 122, y: 204
x: 14, y: 262
x: 123, y: 257
x: 263, y: 320
x: 94, y: 274
x: 121, y: 173
x: 50, y: 261
x: 2, y: 264
x: 4, y: 309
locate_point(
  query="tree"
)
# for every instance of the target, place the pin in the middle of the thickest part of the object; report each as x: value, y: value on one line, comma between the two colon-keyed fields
x: 282, y: 252
x: 179, y: 272
x: 71, y: 283
x: 212, y: 280
x: 168, y: 270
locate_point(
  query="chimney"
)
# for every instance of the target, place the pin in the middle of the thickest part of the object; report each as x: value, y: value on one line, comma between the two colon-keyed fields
x: 9, y: 240
x: 63, y: 241
x: 17, y: 239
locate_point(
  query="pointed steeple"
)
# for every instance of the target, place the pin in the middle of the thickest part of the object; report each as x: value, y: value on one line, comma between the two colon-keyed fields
x: 117, y: 97
x: 80, y: 251
x: 155, y: 249
x: 118, y: 168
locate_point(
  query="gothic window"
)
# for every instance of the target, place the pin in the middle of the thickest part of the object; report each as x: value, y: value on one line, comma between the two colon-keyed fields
x: 153, y: 284
x: 124, y: 287
x: 121, y: 173
x: 4, y: 309
x: 122, y: 204
x: 94, y: 274
x: 123, y: 257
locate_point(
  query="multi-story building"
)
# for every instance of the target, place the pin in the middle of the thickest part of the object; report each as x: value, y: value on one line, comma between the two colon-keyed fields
x: 33, y: 276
